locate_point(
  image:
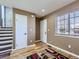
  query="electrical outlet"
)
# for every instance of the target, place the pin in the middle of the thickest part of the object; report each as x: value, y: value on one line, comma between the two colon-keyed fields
x: 69, y: 46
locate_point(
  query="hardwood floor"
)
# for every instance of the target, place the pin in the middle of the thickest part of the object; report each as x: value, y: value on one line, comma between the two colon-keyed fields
x: 38, y: 47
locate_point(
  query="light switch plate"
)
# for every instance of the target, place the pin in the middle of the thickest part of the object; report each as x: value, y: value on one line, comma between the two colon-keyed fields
x: 48, y: 29
x: 31, y: 30
x: 30, y: 40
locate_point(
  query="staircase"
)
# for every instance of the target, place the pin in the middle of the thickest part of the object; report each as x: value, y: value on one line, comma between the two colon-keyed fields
x: 6, y: 41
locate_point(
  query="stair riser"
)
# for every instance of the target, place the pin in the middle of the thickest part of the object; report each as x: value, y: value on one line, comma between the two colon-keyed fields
x: 6, y: 38
x: 6, y: 41
x: 2, y: 42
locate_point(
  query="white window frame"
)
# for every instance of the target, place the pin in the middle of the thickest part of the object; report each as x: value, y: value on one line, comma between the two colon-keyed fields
x: 63, y: 35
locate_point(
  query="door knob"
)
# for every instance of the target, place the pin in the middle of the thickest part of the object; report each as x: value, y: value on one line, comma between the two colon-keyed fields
x: 45, y: 32
x: 25, y: 33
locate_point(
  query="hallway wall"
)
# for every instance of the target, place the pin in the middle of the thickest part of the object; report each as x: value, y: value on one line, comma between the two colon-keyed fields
x: 61, y: 41
x: 30, y: 25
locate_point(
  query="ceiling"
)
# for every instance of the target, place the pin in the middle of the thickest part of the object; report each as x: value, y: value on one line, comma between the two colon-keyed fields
x: 35, y: 6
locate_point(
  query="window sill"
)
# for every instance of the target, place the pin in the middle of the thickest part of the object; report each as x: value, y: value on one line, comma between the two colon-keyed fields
x: 67, y: 36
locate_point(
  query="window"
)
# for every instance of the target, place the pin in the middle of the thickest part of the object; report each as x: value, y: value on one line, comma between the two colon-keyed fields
x: 68, y: 24
x: 5, y: 16
x: 0, y: 17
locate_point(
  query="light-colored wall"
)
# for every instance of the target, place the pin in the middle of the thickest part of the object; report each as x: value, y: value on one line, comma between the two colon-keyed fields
x: 61, y: 41
x: 30, y: 25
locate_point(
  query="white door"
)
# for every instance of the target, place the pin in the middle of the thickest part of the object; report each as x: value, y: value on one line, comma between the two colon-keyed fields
x: 43, y: 31
x: 21, y: 31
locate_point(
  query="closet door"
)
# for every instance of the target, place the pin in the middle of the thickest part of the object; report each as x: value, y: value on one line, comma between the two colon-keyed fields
x: 43, y: 30
x: 21, y: 31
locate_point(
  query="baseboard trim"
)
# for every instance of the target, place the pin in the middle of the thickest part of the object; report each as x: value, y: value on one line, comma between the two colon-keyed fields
x: 13, y: 50
x: 75, y: 55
